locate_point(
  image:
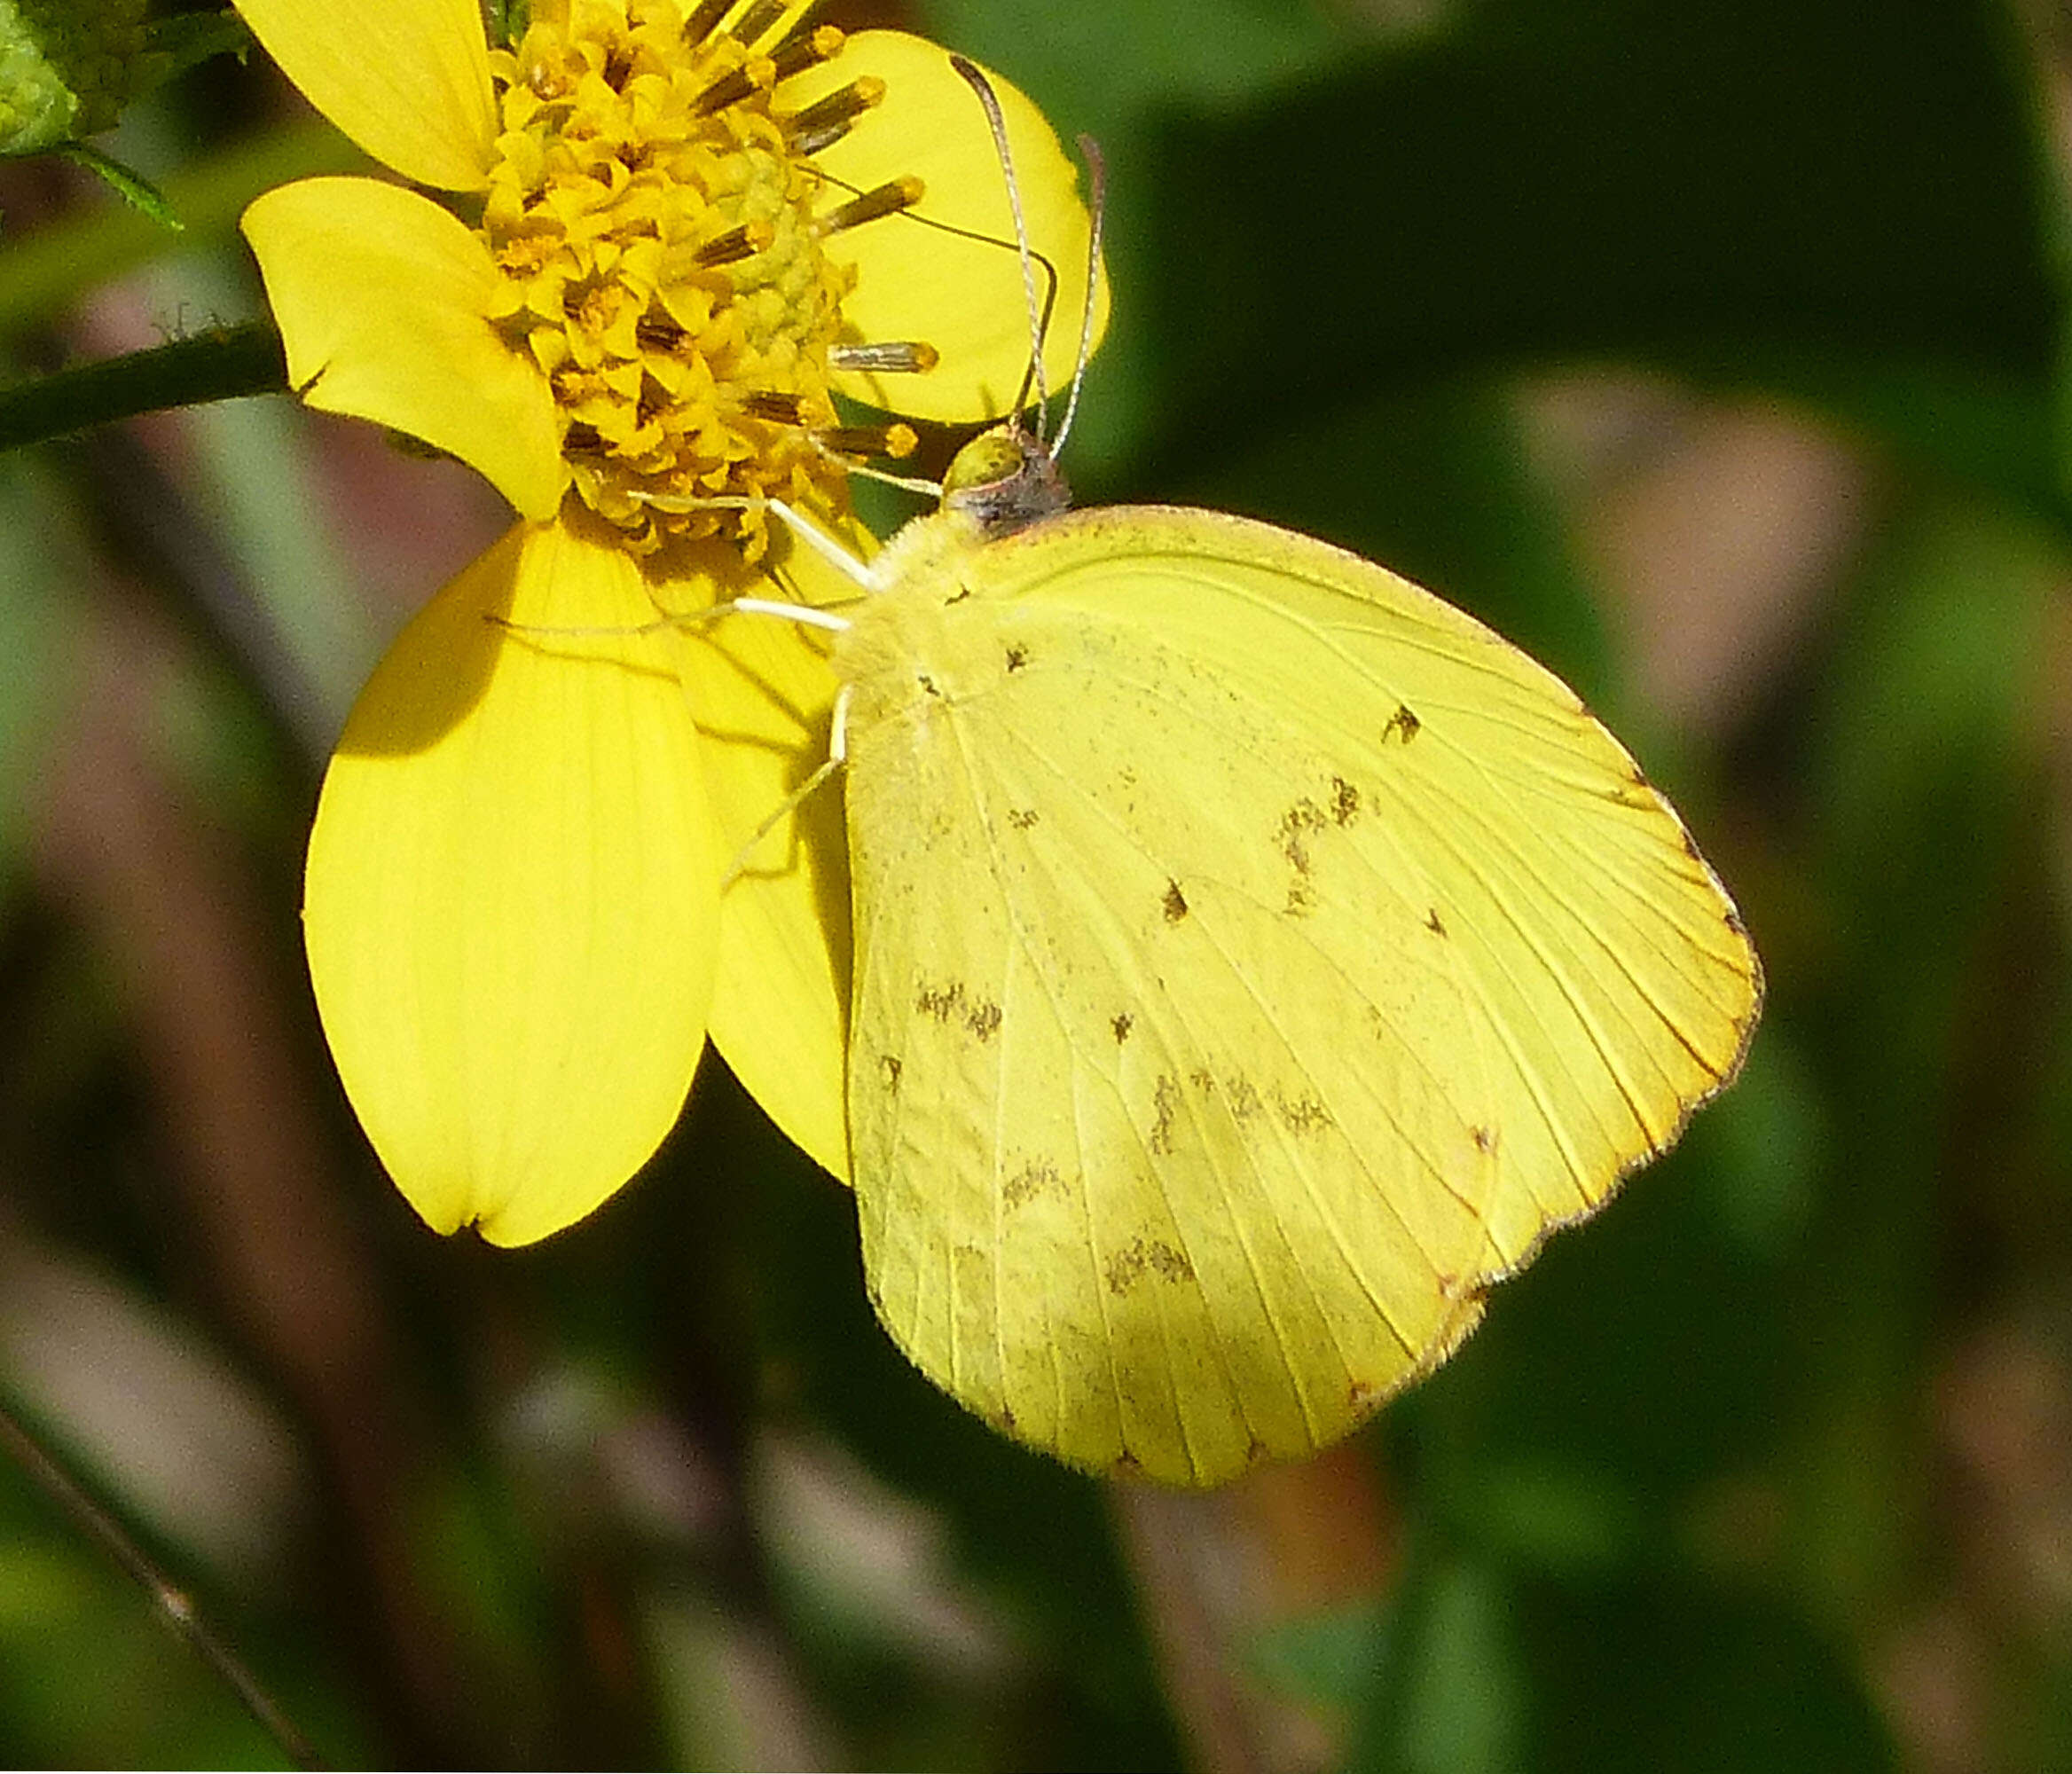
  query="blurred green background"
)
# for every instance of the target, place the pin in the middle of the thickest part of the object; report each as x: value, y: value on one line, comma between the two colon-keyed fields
x: 1709, y: 348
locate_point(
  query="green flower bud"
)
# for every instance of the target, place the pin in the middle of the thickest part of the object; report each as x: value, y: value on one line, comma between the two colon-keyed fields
x: 68, y: 67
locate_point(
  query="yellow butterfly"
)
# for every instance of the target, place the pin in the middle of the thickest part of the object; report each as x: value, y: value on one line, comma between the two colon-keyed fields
x: 1256, y: 958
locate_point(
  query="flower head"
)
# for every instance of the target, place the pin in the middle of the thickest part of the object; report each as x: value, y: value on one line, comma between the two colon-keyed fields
x: 689, y: 224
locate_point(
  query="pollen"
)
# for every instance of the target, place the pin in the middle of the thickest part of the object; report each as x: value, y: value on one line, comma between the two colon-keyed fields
x: 652, y: 212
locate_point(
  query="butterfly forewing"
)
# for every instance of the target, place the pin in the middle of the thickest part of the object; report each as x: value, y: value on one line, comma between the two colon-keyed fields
x: 1254, y: 956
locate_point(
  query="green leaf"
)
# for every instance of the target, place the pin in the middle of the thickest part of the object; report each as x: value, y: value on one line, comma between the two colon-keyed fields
x: 188, y: 39
x: 126, y: 182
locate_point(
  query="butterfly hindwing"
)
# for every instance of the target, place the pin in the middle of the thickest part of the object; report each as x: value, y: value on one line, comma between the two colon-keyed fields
x: 1254, y: 956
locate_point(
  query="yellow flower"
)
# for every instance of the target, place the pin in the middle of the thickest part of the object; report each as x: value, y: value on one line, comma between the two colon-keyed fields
x: 688, y: 224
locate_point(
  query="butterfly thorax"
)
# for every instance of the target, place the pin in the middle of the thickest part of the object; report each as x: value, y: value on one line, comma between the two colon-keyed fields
x: 1001, y: 481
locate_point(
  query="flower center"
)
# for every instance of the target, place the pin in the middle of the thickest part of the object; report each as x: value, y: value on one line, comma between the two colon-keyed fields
x: 652, y: 213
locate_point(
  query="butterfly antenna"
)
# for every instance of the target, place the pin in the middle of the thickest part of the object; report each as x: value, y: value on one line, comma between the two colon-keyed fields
x: 1097, y: 202
x: 975, y: 78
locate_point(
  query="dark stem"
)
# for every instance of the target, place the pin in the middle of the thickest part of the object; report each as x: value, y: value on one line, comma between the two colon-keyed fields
x: 174, y: 1604
x: 219, y: 365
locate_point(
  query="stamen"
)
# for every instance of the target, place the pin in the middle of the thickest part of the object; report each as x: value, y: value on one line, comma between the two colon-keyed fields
x: 760, y: 16
x: 779, y: 408
x: 658, y: 333
x: 736, y: 244
x: 827, y: 120
x: 904, y: 357
x: 731, y: 89
x: 803, y: 26
x: 885, y: 199
x: 806, y: 49
x: 895, y: 441
x: 699, y: 26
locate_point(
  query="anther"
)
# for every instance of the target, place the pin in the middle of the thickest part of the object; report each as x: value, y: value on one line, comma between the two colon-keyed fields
x: 656, y: 332
x: 736, y: 244
x: 805, y: 49
x: 885, y: 199
x: 778, y: 408
x: 827, y: 120
x: 731, y: 89
x: 904, y: 357
x: 749, y: 27
x: 699, y: 26
x: 895, y: 441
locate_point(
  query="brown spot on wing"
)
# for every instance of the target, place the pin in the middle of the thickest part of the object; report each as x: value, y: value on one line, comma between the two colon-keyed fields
x: 1122, y: 1024
x: 1165, y: 1104
x: 1022, y: 818
x: 945, y: 1002
x: 1304, y: 1114
x: 1017, y: 657
x: 1037, y: 1176
x: 1292, y: 835
x: 941, y: 1002
x: 1176, y: 903
x: 1401, y: 725
x: 1142, y: 1257
x: 889, y: 1067
x: 1345, y: 801
x: 1434, y: 923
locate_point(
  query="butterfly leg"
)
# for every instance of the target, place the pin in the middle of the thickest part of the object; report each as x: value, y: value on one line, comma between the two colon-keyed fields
x: 838, y: 756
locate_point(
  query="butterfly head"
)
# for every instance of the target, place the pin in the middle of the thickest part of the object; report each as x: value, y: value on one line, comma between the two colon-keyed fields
x: 1004, y: 480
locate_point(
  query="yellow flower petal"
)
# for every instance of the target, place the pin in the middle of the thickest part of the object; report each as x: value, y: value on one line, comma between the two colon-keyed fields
x: 382, y: 299
x: 511, y: 906
x: 763, y: 692
x: 914, y: 282
x: 408, y: 79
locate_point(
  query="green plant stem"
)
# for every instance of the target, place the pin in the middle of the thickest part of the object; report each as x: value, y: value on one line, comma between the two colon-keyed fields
x: 174, y: 1604
x: 219, y: 365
